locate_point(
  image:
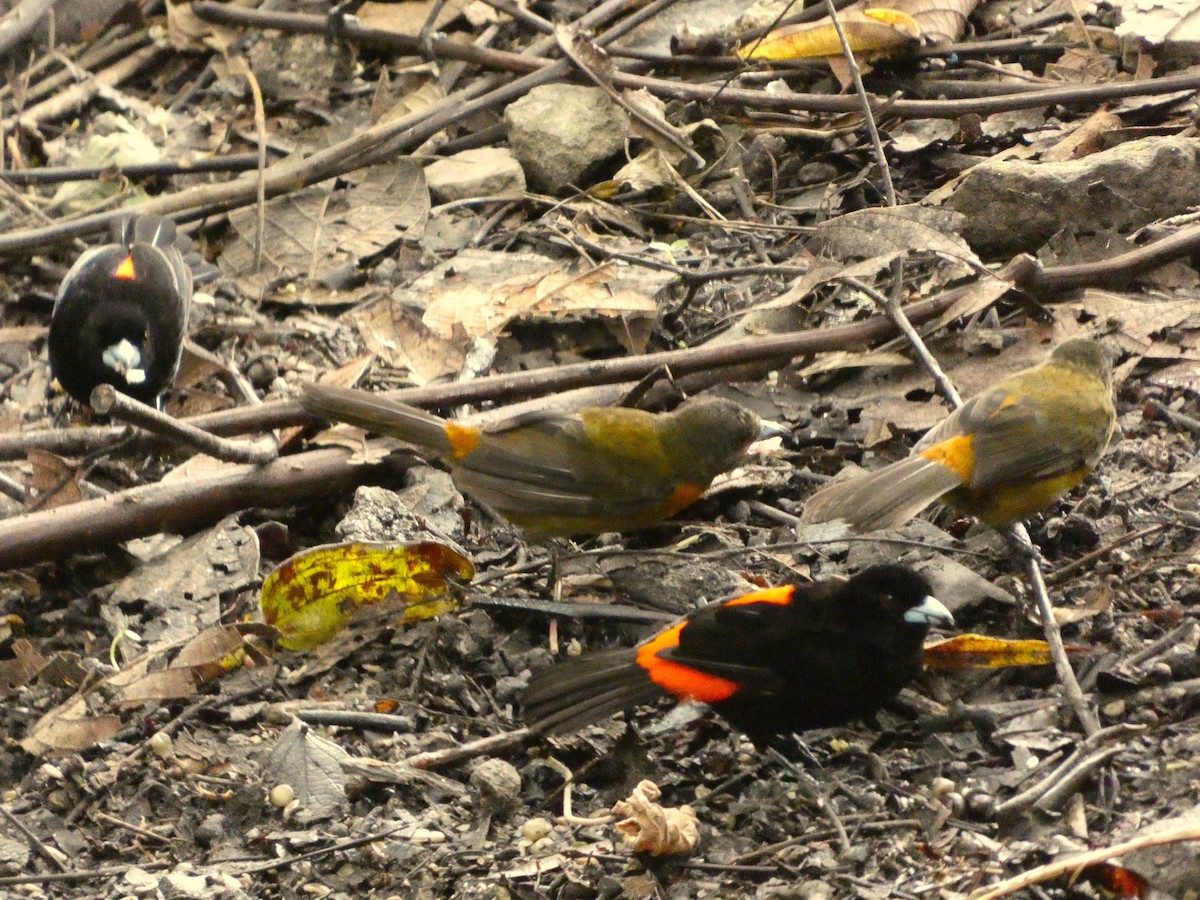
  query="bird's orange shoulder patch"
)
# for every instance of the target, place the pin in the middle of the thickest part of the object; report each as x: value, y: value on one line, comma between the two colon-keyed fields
x: 778, y: 596
x: 954, y: 453
x: 682, y: 496
x: 463, y: 439
x: 125, y: 271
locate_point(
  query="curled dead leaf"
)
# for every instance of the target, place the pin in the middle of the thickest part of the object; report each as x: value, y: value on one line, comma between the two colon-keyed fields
x: 870, y: 32
x: 658, y: 830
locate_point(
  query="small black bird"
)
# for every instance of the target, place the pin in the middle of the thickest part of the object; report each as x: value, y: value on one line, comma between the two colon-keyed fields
x: 122, y: 312
x: 772, y: 662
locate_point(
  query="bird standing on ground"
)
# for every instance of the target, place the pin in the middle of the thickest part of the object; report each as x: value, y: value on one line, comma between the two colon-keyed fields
x: 595, y: 470
x: 122, y: 312
x: 771, y: 662
x: 1007, y: 453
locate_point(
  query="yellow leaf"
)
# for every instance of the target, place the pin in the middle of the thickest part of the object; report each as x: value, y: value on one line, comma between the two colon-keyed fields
x: 311, y: 596
x: 978, y: 651
x: 871, y: 31
x: 900, y: 21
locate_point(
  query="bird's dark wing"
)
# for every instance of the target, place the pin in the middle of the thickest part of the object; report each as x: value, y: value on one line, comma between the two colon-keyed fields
x: 1033, y: 425
x: 566, y: 466
x: 753, y: 642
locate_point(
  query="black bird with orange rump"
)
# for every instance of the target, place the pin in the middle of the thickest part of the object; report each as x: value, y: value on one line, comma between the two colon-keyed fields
x: 771, y: 662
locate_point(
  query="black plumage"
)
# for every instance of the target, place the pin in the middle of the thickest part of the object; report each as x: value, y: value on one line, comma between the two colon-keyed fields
x: 122, y: 313
x: 770, y: 662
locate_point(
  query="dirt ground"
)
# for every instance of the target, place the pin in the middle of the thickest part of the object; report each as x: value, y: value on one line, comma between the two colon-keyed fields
x: 161, y: 743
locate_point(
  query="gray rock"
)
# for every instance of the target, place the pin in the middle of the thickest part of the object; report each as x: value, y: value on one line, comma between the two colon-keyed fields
x: 428, y: 507
x: 483, y: 172
x: 560, y: 131
x: 1014, y: 205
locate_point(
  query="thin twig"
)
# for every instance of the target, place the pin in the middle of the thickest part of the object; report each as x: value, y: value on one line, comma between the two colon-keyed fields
x: 807, y: 784
x: 885, y: 172
x: 20, y: 21
x: 80, y: 875
x: 1189, y: 831
x: 51, y: 856
x: 1088, y: 558
x: 1177, y: 635
x: 1074, y: 778
x: 235, y: 162
x: 901, y: 320
x: 1032, y: 794
x: 107, y: 401
x: 1062, y: 665
x: 11, y: 488
x: 497, y: 743
x: 138, y: 830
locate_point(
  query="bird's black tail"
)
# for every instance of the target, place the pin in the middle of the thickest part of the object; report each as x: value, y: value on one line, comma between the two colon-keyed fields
x: 566, y: 697
x: 154, y: 230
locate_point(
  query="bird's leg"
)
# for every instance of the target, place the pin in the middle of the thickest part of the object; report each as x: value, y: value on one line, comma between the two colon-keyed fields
x: 636, y: 393
x: 335, y: 20
x: 427, y: 34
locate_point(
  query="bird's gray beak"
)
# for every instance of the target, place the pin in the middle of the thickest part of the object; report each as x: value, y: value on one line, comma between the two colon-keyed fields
x: 125, y: 359
x: 929, y: 612
x: 772, y: 429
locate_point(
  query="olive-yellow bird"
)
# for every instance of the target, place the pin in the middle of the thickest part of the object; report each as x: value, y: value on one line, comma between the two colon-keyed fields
x: 595, y: 470
x: 1007, y: 453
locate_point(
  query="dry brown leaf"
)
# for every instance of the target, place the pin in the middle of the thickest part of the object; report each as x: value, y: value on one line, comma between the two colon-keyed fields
x: 407, y: 18
x: 896, y: 231
x: 348, y: 374
x: 53, y: 473
x: 199, y: 466
x: 1086, y: 139
x: 187, y: 31
x: 940, y: 21
x: 21, y: 669
x: 387, y: 106
x: 1097, y: 601
x: 483, y: 307
x: 69, y: 728
x: 313, y: 231
x: 658, y: 830
x: 1080, y: 65
x: 850, y: 359
x: 170, y: 670
x: 395, y: 333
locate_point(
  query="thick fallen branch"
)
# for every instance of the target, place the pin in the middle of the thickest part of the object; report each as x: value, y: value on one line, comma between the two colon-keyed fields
x: 178, y: 507
x: 778, y: 348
